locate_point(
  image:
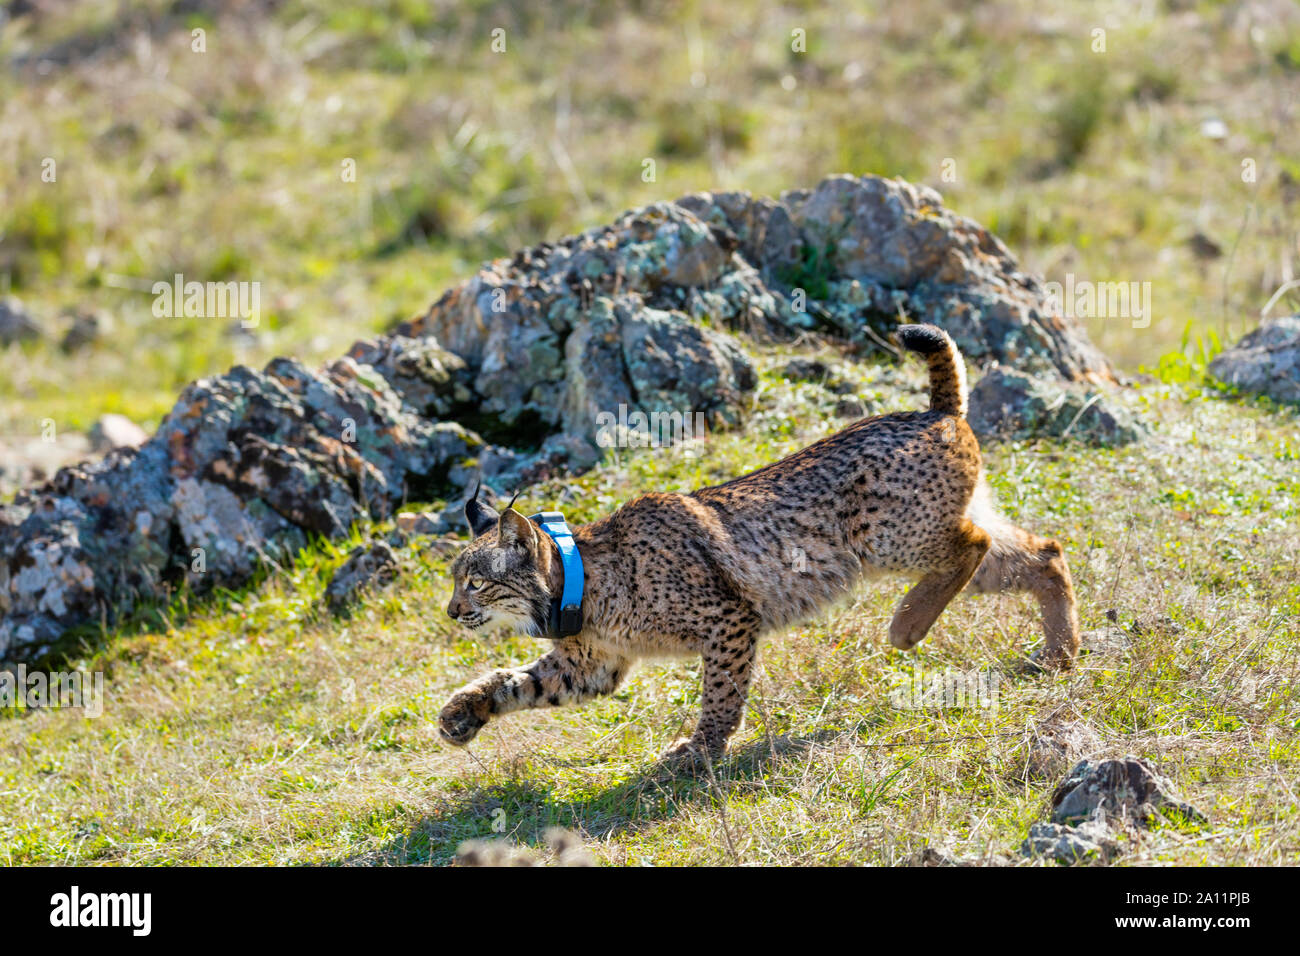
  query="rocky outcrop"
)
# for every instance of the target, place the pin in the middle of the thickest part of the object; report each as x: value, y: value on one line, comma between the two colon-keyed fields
x: 1009, y: 404
x: 1265, y: 362
x: 245, y: 467
x: 506, y: 377
x: 851, y: 258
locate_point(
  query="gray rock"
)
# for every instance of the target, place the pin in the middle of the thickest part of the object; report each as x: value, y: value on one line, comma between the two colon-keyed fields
x: 1128, y: 789
x: 16, y: 324
x: 366, y: 569
x: 86, y: 328
x: 29, y: 459
x: 1010, y: 404
x: 244, y: 467
x: 413, y: 523
x: 1265, y: 362
x: 850, y: 408
x: 867, y: 249
x: 564, y: 331
x: 805, y: 370
x: 1069, y: 844
x: 115, y: 431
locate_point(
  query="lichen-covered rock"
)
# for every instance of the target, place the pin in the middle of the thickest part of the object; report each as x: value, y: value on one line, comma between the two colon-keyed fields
x: 1128, y: 789
x: 867, y: 250
x: 1099, y: 805
x: 1009, y: 404
x: 1068, y: 844
x: 566, y: 330
x: 243, y: 468
x: 366, y: 569
x: 1265, y: 362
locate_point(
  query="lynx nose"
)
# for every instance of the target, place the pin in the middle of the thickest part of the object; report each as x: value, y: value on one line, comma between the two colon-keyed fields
x: 454, y: 609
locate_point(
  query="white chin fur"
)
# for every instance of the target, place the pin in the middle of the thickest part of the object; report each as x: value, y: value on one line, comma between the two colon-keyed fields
x: 498, y: 620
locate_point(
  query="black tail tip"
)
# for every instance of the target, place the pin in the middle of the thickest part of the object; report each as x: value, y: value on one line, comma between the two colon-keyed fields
x: 925, y: 339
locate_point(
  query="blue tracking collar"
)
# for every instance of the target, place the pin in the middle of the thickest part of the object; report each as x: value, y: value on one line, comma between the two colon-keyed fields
x: 566, y: 610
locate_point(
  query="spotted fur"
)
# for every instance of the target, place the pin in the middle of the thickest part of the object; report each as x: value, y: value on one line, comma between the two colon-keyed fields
x: 710, y: 572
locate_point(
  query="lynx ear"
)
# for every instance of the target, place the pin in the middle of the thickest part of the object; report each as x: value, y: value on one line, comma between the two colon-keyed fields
x: 481, y: 518
x: 514, y: 528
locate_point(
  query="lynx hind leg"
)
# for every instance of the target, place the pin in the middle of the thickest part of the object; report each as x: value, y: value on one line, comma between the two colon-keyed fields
x: 1020, y: 561
x: 925, y: 601
x: 727, y: 669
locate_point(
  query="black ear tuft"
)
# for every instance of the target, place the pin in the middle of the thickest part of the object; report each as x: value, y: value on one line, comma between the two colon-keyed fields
x: 481, y: 517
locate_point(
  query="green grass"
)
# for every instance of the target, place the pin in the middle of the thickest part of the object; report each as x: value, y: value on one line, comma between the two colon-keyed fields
x: 253, y: 727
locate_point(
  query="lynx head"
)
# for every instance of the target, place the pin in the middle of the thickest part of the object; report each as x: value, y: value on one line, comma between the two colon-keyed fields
x: 500, y: 579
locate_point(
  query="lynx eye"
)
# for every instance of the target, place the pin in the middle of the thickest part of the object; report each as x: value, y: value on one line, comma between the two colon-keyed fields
x: 473, y: 584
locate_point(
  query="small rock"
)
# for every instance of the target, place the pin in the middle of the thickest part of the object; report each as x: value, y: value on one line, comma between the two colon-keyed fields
x: 1010, y: 404
x: 573, y: 452
x: 805, y: 370
x: 366, y: 568
x: 1203, y: 247
x: 16, y: 323
x: 115, y: 431
x: 850, y: 408
x: 421, y: 523
x: 1067, y: 844
x: 87, y: 328
x: 1128, y: 789
x: 25, y: 460
x: 1265, y: 361
x: 443, y: 547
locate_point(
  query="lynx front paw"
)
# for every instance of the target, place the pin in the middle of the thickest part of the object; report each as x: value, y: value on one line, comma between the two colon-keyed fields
x: 464, y: 716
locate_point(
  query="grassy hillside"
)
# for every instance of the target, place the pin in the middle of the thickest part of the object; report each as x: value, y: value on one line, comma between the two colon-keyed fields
x: 228, y: 164
x: 256, y: 728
